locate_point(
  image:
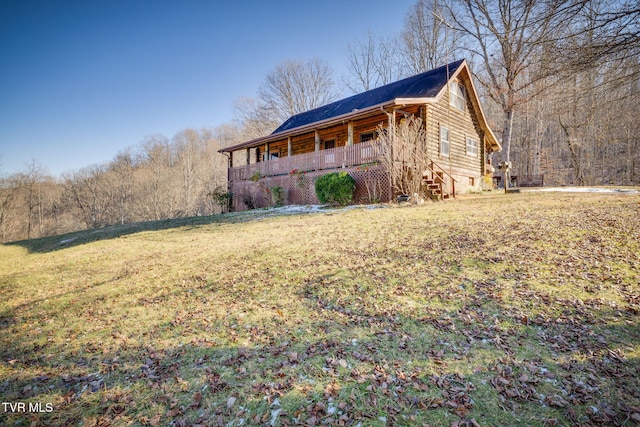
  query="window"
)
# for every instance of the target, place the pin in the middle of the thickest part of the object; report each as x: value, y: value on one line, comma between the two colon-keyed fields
x: 331, y: 156
x: 457, y: 96
x: 444, y: 141
x: 472, y: 147
x: 367, y: 136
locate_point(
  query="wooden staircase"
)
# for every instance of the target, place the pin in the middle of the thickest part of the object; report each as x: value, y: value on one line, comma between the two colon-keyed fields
x: 435, y: 184
x: 435, y: 190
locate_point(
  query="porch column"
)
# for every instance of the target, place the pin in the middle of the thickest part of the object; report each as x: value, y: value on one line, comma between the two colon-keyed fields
x: 248, y: 155
x: 229, y: 172
x: 289, y: 146
x: 391, y: 125
x: 350, y: 133
x: 317, y: 140
x: 266, y: 151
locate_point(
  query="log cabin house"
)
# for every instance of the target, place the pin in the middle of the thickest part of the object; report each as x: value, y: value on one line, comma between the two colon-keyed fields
x: 280, y: 168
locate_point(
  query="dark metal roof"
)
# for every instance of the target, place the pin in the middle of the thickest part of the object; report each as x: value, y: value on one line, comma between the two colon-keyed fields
x: 424, y: 85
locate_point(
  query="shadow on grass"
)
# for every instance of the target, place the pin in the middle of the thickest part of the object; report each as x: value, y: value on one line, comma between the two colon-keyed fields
x: 390, y: 376
x: 76, y: 238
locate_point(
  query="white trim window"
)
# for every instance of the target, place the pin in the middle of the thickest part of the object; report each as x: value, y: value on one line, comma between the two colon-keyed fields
x: 457, y: 96
x: 444, y: 141
x: 472, y: 147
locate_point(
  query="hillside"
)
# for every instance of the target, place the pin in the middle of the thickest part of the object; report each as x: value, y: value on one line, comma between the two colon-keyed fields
x: 486, y: 310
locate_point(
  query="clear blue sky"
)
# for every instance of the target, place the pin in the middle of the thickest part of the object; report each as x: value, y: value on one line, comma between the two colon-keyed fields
x: 82, y: 80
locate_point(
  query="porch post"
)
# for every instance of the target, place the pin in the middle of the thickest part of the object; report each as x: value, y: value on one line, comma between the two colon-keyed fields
x: 317, y: 140
x: 350, y: 133
x: 288, y: 146
x: 248, y: 155
x: 266, y: 151
x: 230, y: 159
x: 392, y: 128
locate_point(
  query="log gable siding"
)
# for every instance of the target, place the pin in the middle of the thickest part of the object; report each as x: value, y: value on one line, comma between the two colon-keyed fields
x: 465, y: 168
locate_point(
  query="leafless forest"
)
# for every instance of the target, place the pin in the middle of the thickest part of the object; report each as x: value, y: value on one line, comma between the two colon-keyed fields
x: 559, y: 80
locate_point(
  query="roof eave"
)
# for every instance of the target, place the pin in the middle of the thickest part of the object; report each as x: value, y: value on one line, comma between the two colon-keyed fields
x: 324, y: 123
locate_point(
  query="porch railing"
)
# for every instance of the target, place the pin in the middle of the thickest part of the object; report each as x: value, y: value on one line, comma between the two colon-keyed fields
x: 340, y: 157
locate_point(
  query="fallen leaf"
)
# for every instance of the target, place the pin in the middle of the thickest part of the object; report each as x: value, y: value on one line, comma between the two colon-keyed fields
x: 231, y: 401
x: 155, y: 421
x: 461, y: 411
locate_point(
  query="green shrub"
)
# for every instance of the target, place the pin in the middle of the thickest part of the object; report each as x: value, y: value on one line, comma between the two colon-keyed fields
x: 335, y: 188
x: 277, y: 195
x: 221, y: 198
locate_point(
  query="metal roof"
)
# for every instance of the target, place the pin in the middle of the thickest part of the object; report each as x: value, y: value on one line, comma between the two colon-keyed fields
x: 423, y: 85
x: 421, y: 88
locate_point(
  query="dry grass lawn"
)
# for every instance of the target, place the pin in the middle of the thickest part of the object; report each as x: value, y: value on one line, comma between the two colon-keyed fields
x: 487, y: 310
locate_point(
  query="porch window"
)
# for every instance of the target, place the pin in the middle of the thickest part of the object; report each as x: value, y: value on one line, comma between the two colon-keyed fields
x: 472, y: 147
x: 367, y: 136
x: 329, y: 145
x: 457, y: 96
x: 444, y: 141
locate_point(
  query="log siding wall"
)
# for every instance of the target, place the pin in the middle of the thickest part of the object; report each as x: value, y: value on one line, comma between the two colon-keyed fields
x: 465, y: 168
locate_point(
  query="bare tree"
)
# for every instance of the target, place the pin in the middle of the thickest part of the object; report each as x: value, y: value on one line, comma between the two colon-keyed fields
x: 9, y: 189
x: 256, y: 118
x: 213, y: 170
x: 294, y: 87
x: 427, y: 39
x: 372, y: 63
x: 30, y: 185
x: 605, y: 31
x: 157, y: 159
x: 403, y: 152
x: 186, y: 147
x: 508, y: 36
x: 91, y: 193
x: 122, y: 167
x: 426, y: 42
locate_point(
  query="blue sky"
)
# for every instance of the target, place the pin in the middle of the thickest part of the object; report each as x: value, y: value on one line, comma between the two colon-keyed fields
x: 82, y: 80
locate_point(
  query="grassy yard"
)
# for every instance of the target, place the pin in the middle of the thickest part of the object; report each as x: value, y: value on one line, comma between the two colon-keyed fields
x: 487, y: 310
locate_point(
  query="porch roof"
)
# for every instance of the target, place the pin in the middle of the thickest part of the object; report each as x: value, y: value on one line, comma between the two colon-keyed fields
x: 419, y: 89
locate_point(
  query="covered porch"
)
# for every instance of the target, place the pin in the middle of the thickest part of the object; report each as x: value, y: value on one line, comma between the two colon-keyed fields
x: 331, y: 158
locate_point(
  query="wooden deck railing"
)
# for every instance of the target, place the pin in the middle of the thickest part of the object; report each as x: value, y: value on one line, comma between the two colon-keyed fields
x: 352, y: 155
